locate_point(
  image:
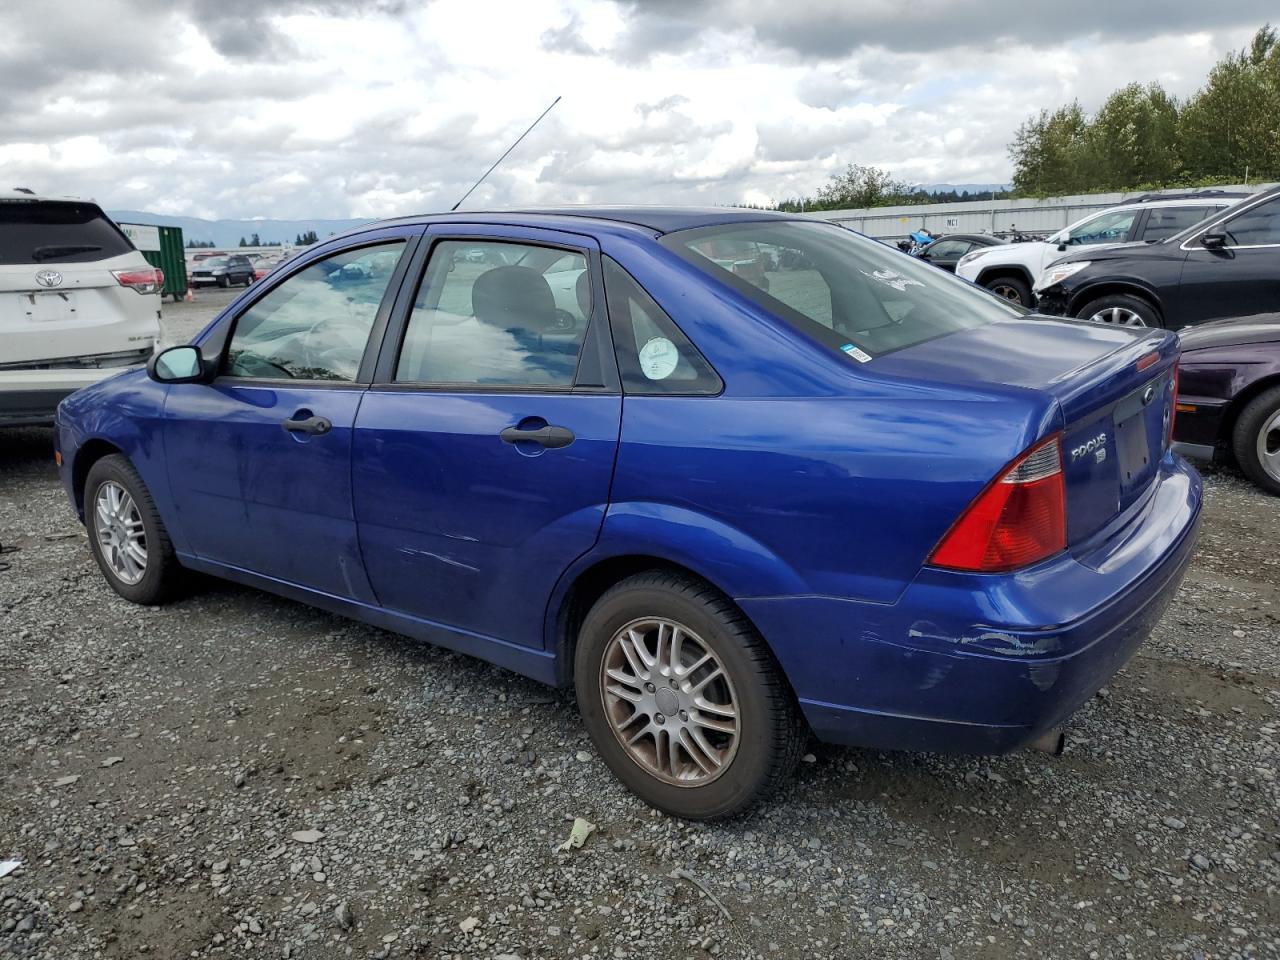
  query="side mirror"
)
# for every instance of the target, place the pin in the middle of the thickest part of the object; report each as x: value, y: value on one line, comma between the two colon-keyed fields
x: 177, y: 365
x: 1213, y: 241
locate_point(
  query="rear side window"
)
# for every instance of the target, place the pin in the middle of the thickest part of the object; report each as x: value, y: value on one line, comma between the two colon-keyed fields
x: 1166, y: 222
x: 57, y: 231
x: 855, y: 295
x: 654, y: 356
x: 495, y: 313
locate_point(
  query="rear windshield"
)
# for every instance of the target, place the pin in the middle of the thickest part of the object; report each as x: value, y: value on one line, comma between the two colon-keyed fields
x: 851, y: 293
x: 45, y: 231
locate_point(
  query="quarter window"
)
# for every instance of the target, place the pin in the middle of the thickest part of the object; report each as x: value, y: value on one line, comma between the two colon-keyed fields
x: 1257, y: 227
x: 316, y: 324
x: 944, y: 249
x: 654, y: 356
x: 496, y: 313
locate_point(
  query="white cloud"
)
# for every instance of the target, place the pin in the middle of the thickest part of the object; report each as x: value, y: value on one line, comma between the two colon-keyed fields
x: 302, y: 108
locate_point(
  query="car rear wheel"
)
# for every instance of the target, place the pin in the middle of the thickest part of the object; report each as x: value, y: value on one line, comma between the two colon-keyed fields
x: 224, y: 282
x: 126, y: 536
x: 1256, y: 440
x: 1013, y: 289
x: 683, y: 699
x: 1121, y: 310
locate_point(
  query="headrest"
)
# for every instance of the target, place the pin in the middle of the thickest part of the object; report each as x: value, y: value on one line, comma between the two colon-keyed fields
x: 514, y: 298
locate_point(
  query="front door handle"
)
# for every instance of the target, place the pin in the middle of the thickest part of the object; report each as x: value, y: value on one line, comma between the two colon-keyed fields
x: 548, y: 436
x: 311, y: 425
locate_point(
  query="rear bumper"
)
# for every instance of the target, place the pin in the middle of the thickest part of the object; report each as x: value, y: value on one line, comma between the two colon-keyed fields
x: 985, y: 664
x: 30, y: 397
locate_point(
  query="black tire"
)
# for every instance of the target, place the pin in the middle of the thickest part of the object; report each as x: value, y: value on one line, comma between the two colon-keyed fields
x: 1011, y: 288
x: 772, y: 734
x: 1259, y: 415
x: 224, y: 282
x: 162, y: 573
x: 1120, y: 305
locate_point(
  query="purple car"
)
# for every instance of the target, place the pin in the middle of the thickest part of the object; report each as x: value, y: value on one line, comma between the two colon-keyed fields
x: 1229, y: 395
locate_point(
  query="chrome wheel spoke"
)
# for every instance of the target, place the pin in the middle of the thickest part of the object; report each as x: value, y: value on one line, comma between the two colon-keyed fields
x: 669, y: 701
x: 1268, y: 446
x: 120, y: 533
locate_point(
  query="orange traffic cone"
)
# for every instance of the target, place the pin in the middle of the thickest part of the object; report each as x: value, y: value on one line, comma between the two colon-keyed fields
x: 190, y: 297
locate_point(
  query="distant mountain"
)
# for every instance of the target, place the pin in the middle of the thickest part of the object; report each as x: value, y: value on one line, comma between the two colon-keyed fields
x: 227, y: 233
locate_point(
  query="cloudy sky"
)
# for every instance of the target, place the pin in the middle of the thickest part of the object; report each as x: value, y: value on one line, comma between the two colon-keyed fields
x: 370, y: 108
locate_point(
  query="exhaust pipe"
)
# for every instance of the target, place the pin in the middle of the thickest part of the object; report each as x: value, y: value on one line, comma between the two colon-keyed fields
x: 1052, y: 743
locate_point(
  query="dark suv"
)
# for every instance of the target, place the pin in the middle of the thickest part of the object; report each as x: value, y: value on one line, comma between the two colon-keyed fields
x: 225, y: 271
x: 1225, y: 266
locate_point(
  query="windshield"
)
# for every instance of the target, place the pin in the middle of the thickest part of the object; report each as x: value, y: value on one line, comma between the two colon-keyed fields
x: 214, y: 262
x: 43, y: 231
x: 851, y: 293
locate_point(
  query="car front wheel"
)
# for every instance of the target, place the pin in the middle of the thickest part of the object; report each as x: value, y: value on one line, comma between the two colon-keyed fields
x: 1256, y: 440
x: 682, y: 698
x: 1013, y: 289
x: 126, y: 536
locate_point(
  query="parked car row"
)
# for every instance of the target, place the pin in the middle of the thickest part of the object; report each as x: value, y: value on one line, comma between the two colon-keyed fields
x: 1207, y: 263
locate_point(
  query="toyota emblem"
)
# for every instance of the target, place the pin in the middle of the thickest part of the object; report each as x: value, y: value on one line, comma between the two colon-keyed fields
x: 48, y: 278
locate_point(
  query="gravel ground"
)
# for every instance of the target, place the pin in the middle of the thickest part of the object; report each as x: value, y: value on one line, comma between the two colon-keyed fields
x: 238, y: 775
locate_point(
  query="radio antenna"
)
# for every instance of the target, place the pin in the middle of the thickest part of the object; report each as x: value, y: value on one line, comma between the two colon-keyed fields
x: 504, y: 156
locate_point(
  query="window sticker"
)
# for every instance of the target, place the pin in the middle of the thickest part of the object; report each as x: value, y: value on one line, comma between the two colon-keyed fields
x: 659, y: 358
x: 856, y: 352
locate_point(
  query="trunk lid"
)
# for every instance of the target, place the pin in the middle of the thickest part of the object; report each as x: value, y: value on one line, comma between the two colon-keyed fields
x: 1113, y: 385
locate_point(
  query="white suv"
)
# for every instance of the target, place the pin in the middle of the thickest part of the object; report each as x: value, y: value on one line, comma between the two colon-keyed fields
x: 1012, y: 269
x: 77, y: 303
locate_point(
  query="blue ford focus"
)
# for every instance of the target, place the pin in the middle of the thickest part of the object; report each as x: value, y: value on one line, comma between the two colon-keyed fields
x: 736, y: 476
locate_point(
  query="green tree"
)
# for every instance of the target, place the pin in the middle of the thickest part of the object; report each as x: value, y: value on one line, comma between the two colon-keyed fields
x: 1133, y: 139
x: 1051, y: 153
x: 254, y: 241
x: 1233, y: 122
x: 242, y: 242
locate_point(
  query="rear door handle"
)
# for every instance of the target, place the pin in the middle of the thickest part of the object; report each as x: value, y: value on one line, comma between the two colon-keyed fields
x: 311, y: 425
x: 549, y: 436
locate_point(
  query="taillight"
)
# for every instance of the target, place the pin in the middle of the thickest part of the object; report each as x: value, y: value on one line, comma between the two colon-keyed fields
x: 150, y: 280
x: 1019, y: 519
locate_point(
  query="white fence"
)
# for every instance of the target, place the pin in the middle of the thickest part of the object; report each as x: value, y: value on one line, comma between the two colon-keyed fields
x: 986, y: 216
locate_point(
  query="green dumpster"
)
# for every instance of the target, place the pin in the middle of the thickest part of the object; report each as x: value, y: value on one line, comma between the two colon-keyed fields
x: 162, y: 247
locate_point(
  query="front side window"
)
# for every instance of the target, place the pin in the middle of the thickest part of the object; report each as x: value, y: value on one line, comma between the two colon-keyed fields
x: 1257, y: 227
x: 497, y: 313
x: 847, y: 291
x: 316, y: 324
x: 946, y: 249
x: 1111, y: 227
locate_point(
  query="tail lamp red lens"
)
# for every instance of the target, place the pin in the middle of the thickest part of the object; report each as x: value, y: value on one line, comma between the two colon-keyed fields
x: 150, y: 280
x: 1019, y: 519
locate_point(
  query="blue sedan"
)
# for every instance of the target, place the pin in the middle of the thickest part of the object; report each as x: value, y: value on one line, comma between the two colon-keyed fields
x: 737, y: 477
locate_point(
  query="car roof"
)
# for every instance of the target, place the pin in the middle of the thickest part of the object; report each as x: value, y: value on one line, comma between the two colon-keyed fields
x: 655, y: 219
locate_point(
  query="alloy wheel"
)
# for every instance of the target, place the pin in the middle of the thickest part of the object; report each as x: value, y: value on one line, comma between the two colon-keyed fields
x: 1269, y: 446
x: 121, y: 536
x: 1012, y: 294
x: 1118, y: 316
x: 670, y: 702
